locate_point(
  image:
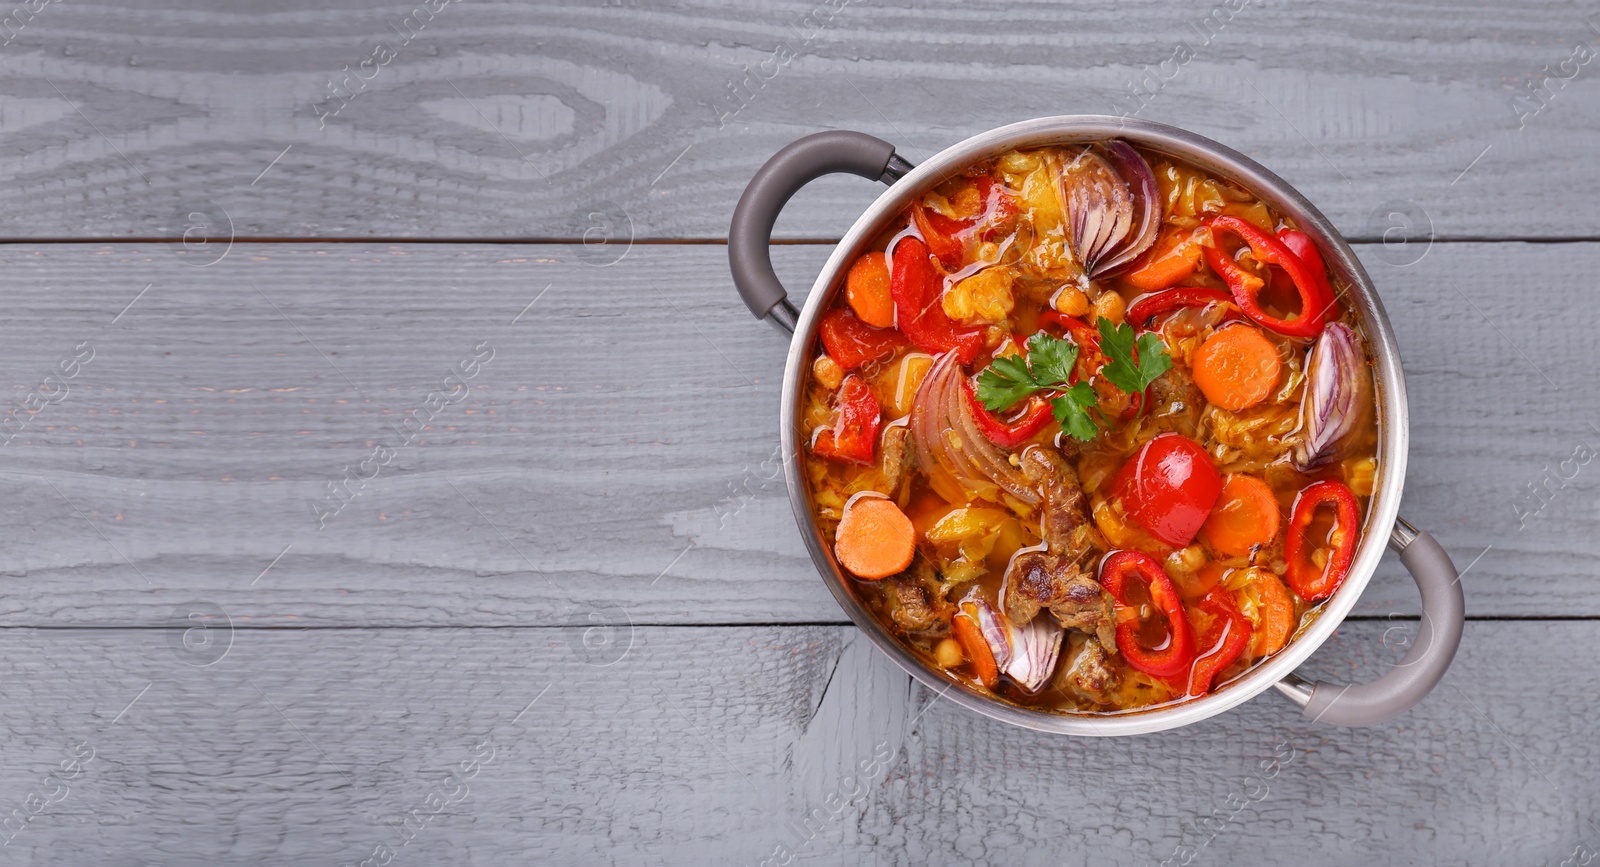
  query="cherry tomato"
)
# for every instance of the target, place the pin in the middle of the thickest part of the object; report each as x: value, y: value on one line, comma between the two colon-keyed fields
x: 1168, y: 487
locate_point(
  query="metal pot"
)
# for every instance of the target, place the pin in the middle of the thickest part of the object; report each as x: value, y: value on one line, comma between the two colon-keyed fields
x: 857, y: 153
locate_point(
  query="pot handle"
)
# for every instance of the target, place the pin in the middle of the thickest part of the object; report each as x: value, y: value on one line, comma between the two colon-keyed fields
x: 798, y: 164
x: 1438, y: 636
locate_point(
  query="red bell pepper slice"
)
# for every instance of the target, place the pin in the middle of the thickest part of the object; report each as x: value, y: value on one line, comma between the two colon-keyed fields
x: 1304, y: 577
x: 853, y: 343
x: 853, y: 436
x: 1008, y: 435
x: 1225, y: 637
x: 1246, y: 286
x: 1300, y: 244
x: 1174, y: 646
x: 1168, y: 487
x: 1158, y: 303
x: 943, y: 234
x: 917, y: 289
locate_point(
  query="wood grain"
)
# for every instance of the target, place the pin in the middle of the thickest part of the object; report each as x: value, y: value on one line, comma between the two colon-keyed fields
x: 712, y: 745
x: 557, y: 121
x: 620, y: 446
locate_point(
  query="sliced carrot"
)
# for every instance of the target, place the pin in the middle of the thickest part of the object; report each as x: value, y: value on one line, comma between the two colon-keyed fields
x: 1236, y: 367
x: 965, y: 629
x: 875, y: 539
x: 1276, y: 608
x: 866, y: 288
x: 1172, y: 261
x: 1193, y: 585
x: 1165, y: 272
x: 1246, y: 514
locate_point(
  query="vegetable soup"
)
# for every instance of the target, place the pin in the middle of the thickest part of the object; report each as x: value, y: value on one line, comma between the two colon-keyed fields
x: 1090, y: 429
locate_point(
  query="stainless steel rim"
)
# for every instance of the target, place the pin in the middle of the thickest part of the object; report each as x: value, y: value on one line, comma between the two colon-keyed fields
x: 1215, y: 158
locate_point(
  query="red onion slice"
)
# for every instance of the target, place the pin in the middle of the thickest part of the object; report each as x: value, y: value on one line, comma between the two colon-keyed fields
x: 1147, y: 203
x: 1338, y: 398
x: 951, y: 449
x: 994, y: 628
x: 1113, y: 206
x: 1034, y: 650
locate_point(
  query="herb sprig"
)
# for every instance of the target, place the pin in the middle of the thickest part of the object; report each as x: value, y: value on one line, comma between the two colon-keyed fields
x: 1132, y: 363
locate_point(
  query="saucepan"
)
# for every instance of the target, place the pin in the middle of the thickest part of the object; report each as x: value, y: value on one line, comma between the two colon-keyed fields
x: 1439, y: 631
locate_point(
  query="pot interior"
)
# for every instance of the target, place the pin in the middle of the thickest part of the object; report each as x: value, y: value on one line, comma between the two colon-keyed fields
x: 1352, y: 284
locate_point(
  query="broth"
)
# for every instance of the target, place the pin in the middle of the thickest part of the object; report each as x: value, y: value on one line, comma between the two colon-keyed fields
x: 1232, y: 474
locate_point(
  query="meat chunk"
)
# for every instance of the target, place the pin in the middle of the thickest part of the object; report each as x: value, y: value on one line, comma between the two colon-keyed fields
x: 1065, y: 525
x: 1089, y: 672
x: 897, y: 460
x: 1041, y: 580
x: 1177, y: 402
x: 916, y: 602
x: 1060, y: 578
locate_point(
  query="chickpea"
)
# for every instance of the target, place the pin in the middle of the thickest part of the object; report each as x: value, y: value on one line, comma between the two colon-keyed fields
x: 948, y: 653
x: 828, y: 372
x: 1070, y: 301
x: 1111, y: 306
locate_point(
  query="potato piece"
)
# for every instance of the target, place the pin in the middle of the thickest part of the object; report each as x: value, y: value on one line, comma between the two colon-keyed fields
x: 1018, y: 162
x: 1041, y: 199
x: 896, y: 385
x: 983, y: 298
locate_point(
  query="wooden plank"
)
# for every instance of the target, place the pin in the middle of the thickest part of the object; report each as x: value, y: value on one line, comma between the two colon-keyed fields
x: 619, y: 446
x: 543, y: 121
x: 715, y: 745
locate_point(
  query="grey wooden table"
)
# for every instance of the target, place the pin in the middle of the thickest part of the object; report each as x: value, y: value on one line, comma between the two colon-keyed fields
x: 569, y: 620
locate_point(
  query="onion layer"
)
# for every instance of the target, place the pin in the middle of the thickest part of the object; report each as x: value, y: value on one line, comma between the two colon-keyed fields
x: 1034, y: 649
x: 1113, y: 206
x: 961, y: 463
x: 994, y: 628
x: 1338, y: 397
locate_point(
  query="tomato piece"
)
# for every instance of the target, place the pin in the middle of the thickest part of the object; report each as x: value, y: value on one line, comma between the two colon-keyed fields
x: 853, y: 436
x: 917, y: 288
x: 1168, y: 487
x: 1160, y: 647
x: 853, y: 343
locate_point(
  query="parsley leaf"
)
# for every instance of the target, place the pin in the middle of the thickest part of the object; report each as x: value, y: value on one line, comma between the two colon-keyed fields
x: 1071, y: 410
x: 1005, y: 382
x: 1047, y: 367
x: 1133, y: 361
x: 1128, y: 368
x: 1051, y: 358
